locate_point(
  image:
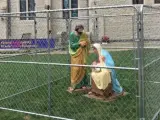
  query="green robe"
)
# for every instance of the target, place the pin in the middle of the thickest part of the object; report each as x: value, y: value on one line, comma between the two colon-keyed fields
x: 78, y: 55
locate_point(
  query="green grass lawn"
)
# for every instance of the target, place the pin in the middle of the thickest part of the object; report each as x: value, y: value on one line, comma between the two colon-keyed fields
x: 30, y: 81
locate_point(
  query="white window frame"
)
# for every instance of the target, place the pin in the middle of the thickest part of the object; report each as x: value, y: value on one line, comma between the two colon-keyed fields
x: 70, y: 12
x: 27, y: 9
x: 70, y: 6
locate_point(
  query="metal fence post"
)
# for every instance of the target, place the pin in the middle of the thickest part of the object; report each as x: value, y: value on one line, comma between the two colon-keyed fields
x: 135, y: 62
x: 94, y: 29
x: 36, y: 49
x: 68, y: 29
x: 134, y: 42
x: 35, y: 34
x: 49, y: 68
x: 140, y: 47
x: 97, y: 30
x: 104, y: 25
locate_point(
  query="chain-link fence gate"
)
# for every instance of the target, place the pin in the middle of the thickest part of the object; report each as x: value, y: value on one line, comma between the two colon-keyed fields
x: 36, y: 75
x: 151, y: 62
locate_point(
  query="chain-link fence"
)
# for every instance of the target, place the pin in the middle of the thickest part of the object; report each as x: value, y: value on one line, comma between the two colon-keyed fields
x: 35, y: 63
x: 151, y: 62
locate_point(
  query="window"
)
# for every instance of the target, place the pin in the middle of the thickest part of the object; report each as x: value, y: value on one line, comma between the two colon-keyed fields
x: 23, y: 9
x: 31, y: 7
x: 27, y: 5
x: 67, y: 5
x: 74, y: 4
x: 157, y: 1
x: 137, y: 1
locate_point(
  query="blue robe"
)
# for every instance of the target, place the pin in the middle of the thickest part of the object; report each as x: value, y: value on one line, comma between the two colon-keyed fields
x: 110, y: 63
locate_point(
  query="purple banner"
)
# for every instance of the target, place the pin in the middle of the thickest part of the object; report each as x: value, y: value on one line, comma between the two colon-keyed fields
x: 31, y: 43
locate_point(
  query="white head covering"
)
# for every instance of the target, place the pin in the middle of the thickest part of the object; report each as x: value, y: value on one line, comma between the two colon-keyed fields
x: 98, y: 47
